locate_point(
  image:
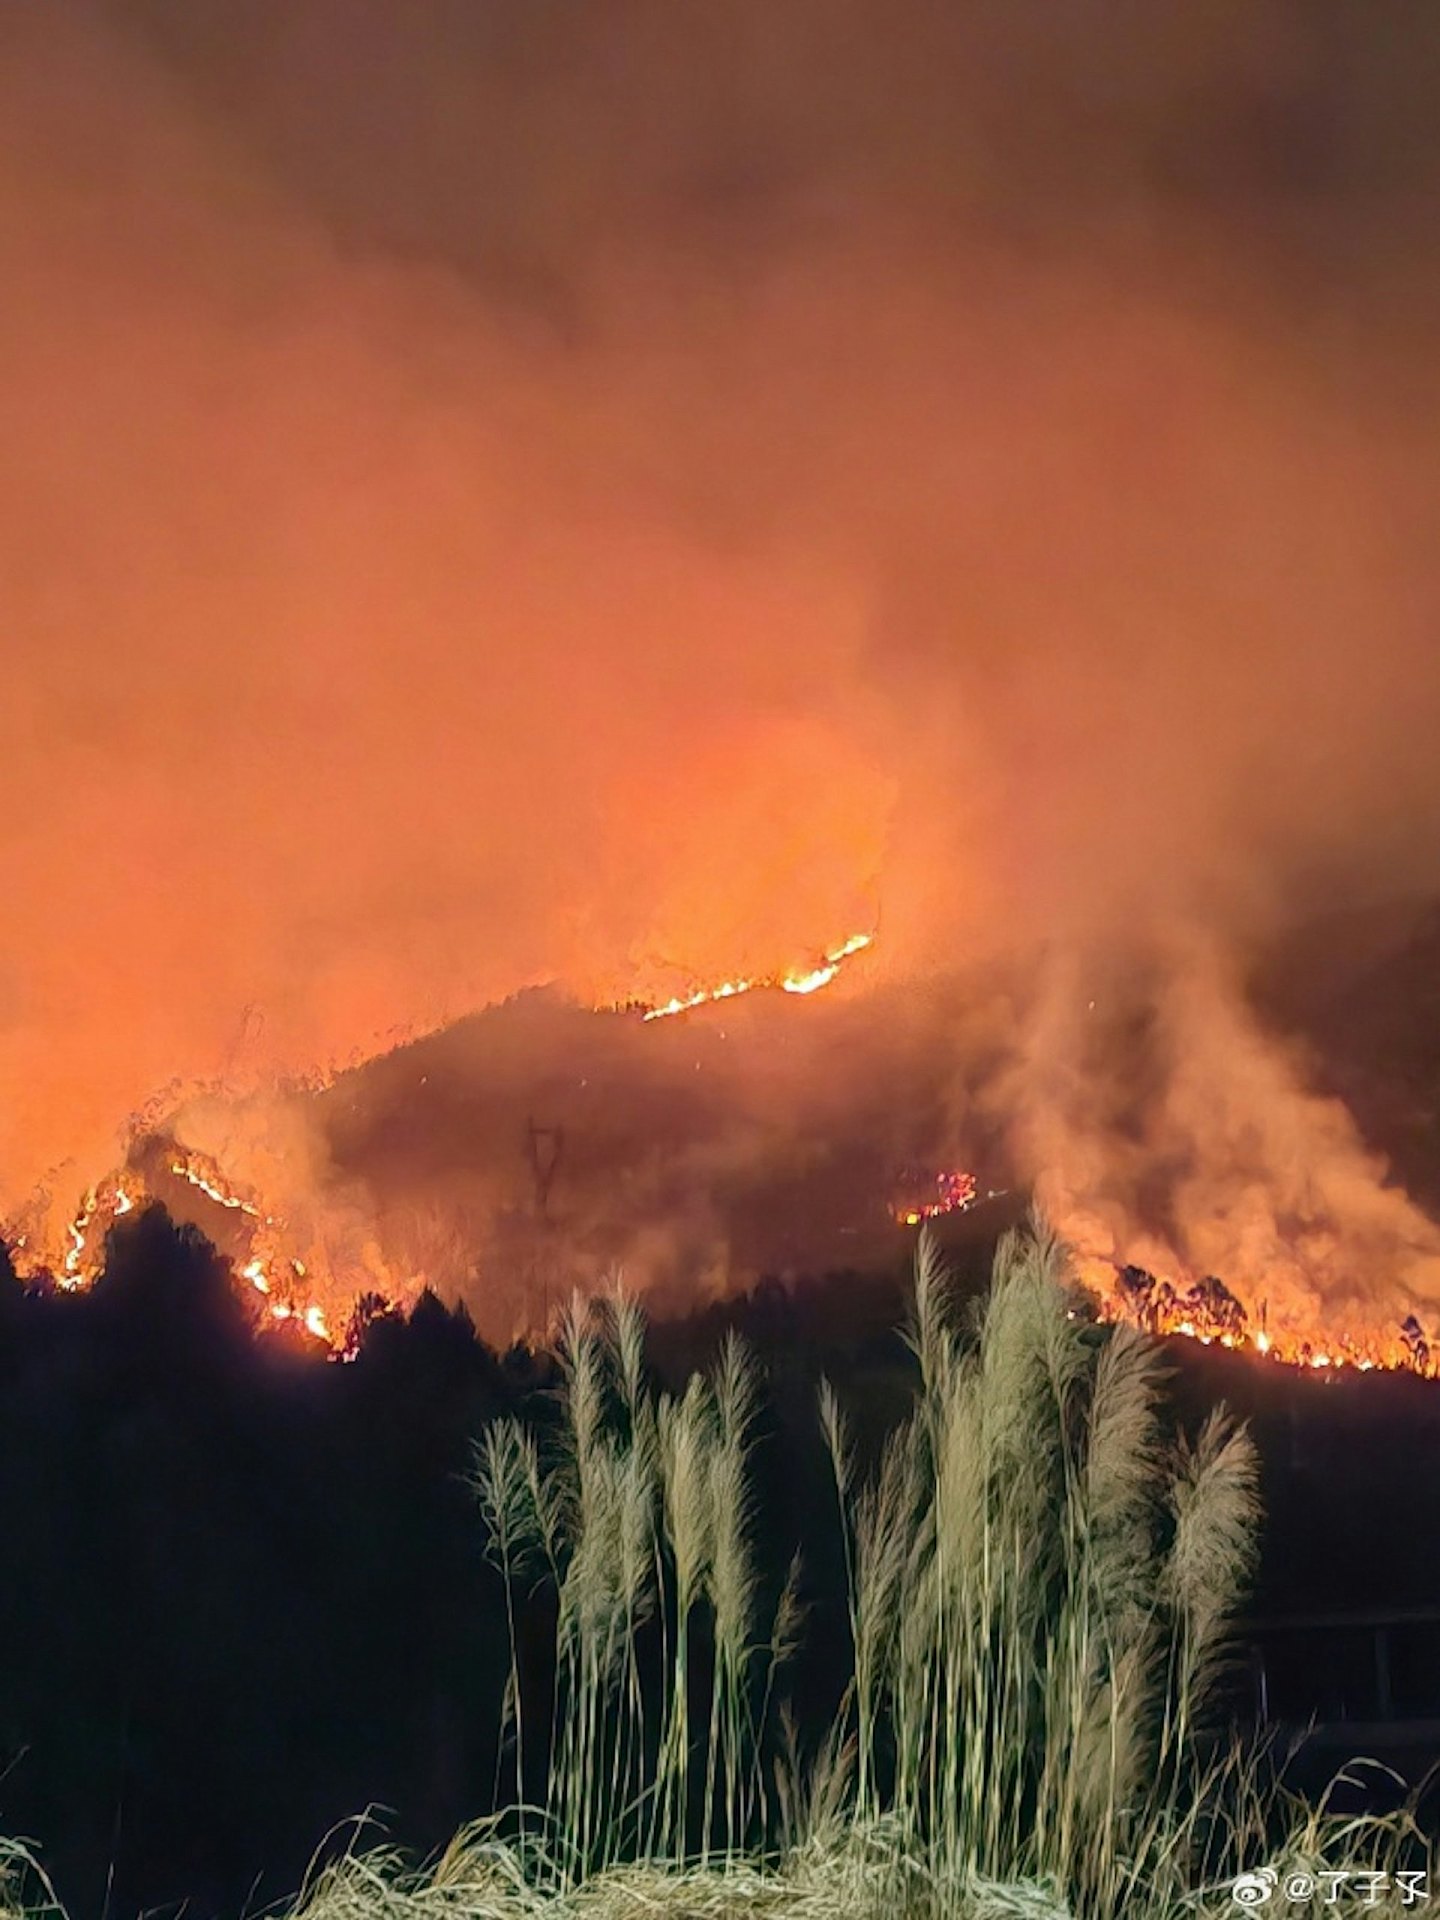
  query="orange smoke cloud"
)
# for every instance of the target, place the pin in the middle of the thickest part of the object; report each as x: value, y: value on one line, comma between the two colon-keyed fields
x: 1167, y: 1130
x: 478, y: 509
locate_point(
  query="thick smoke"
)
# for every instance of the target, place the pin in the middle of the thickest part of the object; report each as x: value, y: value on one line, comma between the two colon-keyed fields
x: 1169, y: 1131
x: 624, y: 494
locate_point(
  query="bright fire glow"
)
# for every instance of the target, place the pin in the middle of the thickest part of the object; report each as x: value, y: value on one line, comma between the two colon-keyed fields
x: 1203, y: 1310
x: 266, y: 1270
x: 948, y: 1193
x: 211, y: 1190
x: 810, y: 980
x: 1207, y: 1311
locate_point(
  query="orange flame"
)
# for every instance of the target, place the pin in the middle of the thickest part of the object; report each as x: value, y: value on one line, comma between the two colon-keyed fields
x: 953, y: 1193
x: 120, y: 1194
x: 1207, y: 1311
x: 1203, y: 1310
x: 808, y: 981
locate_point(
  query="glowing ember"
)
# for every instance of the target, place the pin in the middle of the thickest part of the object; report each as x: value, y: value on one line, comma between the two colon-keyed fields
x: 949, y: 1193
x: 809, y: 981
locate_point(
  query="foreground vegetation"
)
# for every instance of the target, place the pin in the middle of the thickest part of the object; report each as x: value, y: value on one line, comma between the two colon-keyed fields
x: 1040, y: 1583
x: 1040, y: 1579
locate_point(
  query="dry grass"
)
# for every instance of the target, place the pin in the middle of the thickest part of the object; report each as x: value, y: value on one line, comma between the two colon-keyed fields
x: 481, y: 1879
x: 25, y: 1890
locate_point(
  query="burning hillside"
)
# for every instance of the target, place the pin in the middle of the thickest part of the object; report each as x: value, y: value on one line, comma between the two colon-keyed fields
x: 797, y: 980
x: 194, y: 1191
x: 1207, y: 1311
x: 261, y: 1245
x: 753, y: 630
x: 819, y: 482
x: 738, y: 1131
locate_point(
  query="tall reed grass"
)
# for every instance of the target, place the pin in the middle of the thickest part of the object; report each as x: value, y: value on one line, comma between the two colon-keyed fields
x: 637, y: 1538
x: 1040, y: 1582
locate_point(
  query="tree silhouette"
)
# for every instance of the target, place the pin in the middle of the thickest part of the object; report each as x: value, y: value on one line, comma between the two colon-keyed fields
x: 164, y: 1286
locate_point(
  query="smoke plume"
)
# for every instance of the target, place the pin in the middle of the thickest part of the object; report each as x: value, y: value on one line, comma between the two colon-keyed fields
x: 624, y: 496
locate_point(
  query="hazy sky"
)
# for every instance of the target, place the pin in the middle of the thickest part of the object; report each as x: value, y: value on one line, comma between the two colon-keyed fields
x: 497, y: 491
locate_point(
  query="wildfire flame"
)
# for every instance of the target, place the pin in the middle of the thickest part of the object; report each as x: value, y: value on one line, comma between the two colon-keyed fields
x: 259, y: 1270
x: 1204, y: 1310
x: 952, y: 1193
x: 267, y: 1271
x: 1208, y: 1312
x: 809, y: 981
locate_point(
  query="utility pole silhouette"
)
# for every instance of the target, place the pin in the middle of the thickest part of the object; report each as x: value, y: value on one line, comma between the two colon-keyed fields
x: 545, y: 1146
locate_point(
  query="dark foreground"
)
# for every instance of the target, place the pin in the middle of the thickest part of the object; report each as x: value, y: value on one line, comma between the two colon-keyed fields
x: 249, y: 1598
